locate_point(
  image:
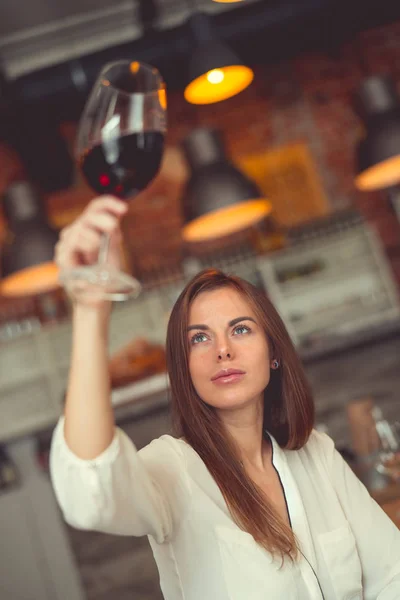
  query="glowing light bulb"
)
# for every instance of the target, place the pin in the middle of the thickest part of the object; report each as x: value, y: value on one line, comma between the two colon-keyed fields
x: 215, y: 76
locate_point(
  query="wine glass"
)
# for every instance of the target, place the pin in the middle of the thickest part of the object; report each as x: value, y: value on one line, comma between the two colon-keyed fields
x: 119, y: 150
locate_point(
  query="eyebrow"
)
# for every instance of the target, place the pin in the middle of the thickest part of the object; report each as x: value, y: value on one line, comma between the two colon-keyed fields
x: 230, y: 324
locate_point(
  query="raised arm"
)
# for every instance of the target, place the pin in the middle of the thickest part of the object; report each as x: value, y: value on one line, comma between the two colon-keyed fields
x: 89, y: 421
x: 99, y: 478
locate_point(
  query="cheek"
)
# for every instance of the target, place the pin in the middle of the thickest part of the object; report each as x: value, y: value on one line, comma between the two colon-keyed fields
x: 261, y: 363
x: 255, y: 352
x: 198, y: 364
x: 265, y: 376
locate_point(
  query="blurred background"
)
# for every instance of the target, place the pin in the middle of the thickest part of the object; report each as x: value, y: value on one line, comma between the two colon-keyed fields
x: 292, y: 103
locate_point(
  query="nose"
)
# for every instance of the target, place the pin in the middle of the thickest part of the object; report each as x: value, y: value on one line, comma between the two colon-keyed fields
x: 224, y: 352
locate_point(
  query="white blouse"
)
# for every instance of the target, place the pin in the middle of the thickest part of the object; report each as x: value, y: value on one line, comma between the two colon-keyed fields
x: 350, y: 548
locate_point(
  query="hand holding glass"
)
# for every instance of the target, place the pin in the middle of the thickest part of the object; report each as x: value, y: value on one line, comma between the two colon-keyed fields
x: 119, y: 150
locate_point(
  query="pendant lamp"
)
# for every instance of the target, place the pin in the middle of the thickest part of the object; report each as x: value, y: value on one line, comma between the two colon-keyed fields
x: 377, y: 102
x: 219, y: 199
x: 227, y: 1
x: 215, y: 72
x: 27, y: 265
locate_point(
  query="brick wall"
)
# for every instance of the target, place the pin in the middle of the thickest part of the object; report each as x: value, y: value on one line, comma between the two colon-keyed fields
x: 309, y: 99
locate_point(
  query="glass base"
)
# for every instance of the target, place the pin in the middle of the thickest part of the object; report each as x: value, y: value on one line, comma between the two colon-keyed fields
x: 95, y: 283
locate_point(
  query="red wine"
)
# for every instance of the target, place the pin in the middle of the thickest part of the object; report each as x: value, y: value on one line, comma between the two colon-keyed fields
x: 123, y: 166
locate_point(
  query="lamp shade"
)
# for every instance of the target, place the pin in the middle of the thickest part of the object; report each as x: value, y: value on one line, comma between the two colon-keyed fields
x: 378, y: 152
x: 219, y: 199
x: 215, y: 72
x: 27, y: 257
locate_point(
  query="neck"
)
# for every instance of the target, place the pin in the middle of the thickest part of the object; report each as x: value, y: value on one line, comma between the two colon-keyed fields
x: 245, y: 425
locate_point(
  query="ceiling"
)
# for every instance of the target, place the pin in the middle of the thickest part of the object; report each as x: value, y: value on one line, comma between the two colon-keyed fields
x: 35, y: 34
x: 38, y: 35
x: 52, y: 54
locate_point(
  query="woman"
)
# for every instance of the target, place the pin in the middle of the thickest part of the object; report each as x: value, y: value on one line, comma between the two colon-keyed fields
x: 249, y: 502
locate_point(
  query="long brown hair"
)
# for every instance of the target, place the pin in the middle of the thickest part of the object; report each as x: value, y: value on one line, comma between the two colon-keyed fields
x: 288, y: 411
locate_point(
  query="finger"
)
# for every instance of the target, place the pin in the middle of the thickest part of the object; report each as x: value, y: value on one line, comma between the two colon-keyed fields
x: 77, y: 239
x: 88, y: 258
x: 101, y: 205
x: 107, y: 204
x: 65, y: 232
x: 73, y: 235
x: 58, y: 253
x: 65, y: 259
x: 85, y: 240
x: 87, y: 235
x: 103, y: 222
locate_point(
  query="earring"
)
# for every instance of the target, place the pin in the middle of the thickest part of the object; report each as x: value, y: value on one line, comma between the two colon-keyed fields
x: 275, y: 364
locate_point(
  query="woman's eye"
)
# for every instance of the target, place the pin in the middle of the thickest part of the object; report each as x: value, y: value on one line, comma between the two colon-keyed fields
x: 198, y: 337
x: 240, y: 329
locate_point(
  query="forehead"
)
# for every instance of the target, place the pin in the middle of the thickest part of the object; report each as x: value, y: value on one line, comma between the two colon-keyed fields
x: 222, y: 304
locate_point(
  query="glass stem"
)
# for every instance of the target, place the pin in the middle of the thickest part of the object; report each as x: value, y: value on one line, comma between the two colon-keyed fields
x: 103, y: 250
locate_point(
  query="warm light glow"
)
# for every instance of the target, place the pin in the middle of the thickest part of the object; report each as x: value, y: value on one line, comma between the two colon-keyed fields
x: 227, y: 1
x: 134, y: 67
x: 162, y: 97
x: 33, y: 280
x: 235, y: 79
x: 226, y: 221
x: 380, y: 176
x: 215, y: 76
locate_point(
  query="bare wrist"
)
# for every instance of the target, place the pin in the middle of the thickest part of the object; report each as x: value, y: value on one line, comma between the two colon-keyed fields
x: 100, y: 311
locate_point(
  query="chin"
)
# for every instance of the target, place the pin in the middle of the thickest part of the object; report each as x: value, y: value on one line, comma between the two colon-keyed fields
x: 230, y: 400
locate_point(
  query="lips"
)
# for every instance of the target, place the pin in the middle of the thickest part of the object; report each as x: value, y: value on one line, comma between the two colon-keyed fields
x: 226, y: 373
